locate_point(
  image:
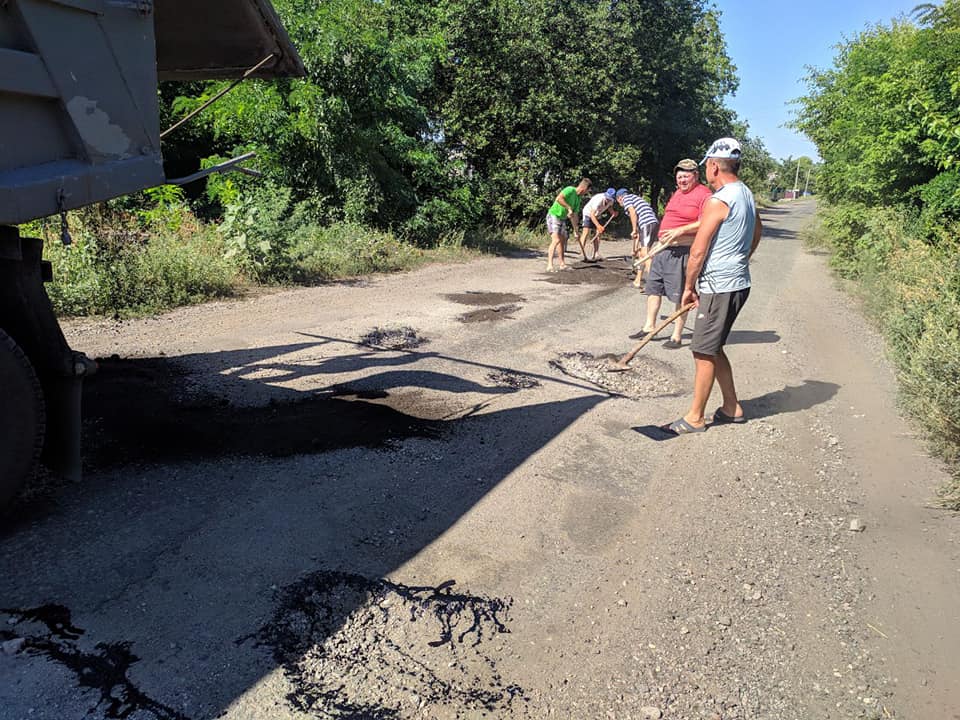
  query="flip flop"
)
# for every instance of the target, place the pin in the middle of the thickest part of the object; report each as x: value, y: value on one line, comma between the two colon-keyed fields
x: 672, y: 344
x: 682, y: 427
x: 720, y: 417
x: 641, y: 334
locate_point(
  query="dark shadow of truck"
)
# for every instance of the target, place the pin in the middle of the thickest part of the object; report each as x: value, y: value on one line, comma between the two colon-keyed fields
x: 79, y: 123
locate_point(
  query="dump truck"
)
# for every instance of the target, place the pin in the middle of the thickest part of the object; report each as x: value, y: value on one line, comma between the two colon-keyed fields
x: 79, y: 124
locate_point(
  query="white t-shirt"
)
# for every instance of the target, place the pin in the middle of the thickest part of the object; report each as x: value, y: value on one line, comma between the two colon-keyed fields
x: 598, y: 204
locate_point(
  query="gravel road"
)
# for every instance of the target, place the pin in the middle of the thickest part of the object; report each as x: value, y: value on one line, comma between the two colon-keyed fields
x: 421, y: 496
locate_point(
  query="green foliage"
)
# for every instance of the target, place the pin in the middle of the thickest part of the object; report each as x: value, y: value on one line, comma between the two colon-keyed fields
x: 885, y: 116
x: 128, y: 278
x: 256, y: 231
x: 940, y: 205
x: 345, y: 250
x: 425, y: 118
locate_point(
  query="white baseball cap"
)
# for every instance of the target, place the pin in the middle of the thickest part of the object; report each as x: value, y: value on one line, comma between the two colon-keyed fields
x: 723, y: 148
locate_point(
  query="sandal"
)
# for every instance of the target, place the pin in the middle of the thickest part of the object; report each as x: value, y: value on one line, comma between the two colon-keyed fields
x: 682, y: 427
x: 720, y: 417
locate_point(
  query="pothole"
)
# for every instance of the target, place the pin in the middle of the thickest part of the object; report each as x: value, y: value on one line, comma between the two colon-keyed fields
x: 402, y: 338
x: 478, y: 297
x: 510, y: 379
x: 492, y: 314
x: 355, y: 647
x: 647, y: 377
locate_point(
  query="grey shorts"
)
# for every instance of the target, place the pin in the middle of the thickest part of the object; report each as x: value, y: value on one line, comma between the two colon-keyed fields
x: 647, y: 233
x: 668, y: 273
x: 715, y: 317
x: 557, y: 225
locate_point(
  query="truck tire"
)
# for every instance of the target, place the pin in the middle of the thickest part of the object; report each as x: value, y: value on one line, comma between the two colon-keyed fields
x: 22, y: 418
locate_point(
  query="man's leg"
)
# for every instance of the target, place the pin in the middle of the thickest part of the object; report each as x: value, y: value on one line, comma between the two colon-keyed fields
x: 704, y: 375
x: 653, y: 308
x: 678, y: 326
x: 556, y: 242
x: 596, y: 247
x: 731, y: 405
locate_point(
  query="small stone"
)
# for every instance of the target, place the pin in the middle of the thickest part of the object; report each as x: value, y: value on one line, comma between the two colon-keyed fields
x: 651, y: 713
x: 684, y: 630
x: 857, y: 525
x: 622, y: 603
x: 12, y: 647
x: 833, y: 440
x: 725, y: 620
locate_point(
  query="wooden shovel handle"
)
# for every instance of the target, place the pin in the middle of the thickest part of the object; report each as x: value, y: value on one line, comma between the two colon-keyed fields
x: 625, y: 360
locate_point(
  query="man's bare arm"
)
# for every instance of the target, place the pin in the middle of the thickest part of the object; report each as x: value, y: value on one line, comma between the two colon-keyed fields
x: 757, y: 231
x: 683, y: 235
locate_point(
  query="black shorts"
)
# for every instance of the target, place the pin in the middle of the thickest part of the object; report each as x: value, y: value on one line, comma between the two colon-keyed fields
x: 668, y: 272
x: 588, y: 223
x: 715, y: 317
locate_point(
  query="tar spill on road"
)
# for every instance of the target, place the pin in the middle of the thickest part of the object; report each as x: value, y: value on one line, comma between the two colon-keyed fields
x: 402, y: 338
x: 136, y: 410
x: 476, y: 297
x: 360, y: 648
x: 492, y: 314
x: 104, y: 670
x: 507, y: 378
x: 646, y: 377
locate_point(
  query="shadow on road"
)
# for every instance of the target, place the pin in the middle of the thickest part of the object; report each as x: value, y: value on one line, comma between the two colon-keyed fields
x: 790, y: 399
x: 188, y: 550
x: 752, y: 337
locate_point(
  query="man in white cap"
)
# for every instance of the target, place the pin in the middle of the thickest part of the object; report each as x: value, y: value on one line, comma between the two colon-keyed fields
x: 718, y: 281
x: 596, y: 206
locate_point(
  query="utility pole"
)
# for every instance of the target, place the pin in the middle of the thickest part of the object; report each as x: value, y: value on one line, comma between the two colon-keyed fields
x: 807, y: 184
x: 796, y: 181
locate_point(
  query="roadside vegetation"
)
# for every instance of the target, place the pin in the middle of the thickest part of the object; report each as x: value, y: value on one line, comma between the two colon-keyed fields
x: 885, y: 120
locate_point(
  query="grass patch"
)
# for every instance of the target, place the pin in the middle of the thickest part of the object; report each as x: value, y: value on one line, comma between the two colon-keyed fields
x: 125, y: 263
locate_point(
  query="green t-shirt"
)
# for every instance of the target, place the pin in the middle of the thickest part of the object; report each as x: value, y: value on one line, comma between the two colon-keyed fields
x: 573, y: 200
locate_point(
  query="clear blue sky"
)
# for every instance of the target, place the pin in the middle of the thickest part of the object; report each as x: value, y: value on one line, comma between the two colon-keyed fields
x: 771, y: 43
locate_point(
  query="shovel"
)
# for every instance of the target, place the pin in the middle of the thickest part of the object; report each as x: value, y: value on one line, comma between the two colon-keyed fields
x: 623, y: 364
x: 659, y: 247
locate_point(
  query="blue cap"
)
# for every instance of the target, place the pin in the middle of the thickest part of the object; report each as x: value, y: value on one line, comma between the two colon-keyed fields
x: 610, y: 193
x: 621, y: 191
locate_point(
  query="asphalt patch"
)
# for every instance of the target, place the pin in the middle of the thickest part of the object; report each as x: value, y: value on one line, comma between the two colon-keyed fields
x: 138, y: 411
x: 509, y: 379
x: 105, y: 668
x: 493, y: 314
x: 479, y: 298
x: 354, y: 647
x: 607, y: 272
x: 646, y: 378
x: 401, y: 338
